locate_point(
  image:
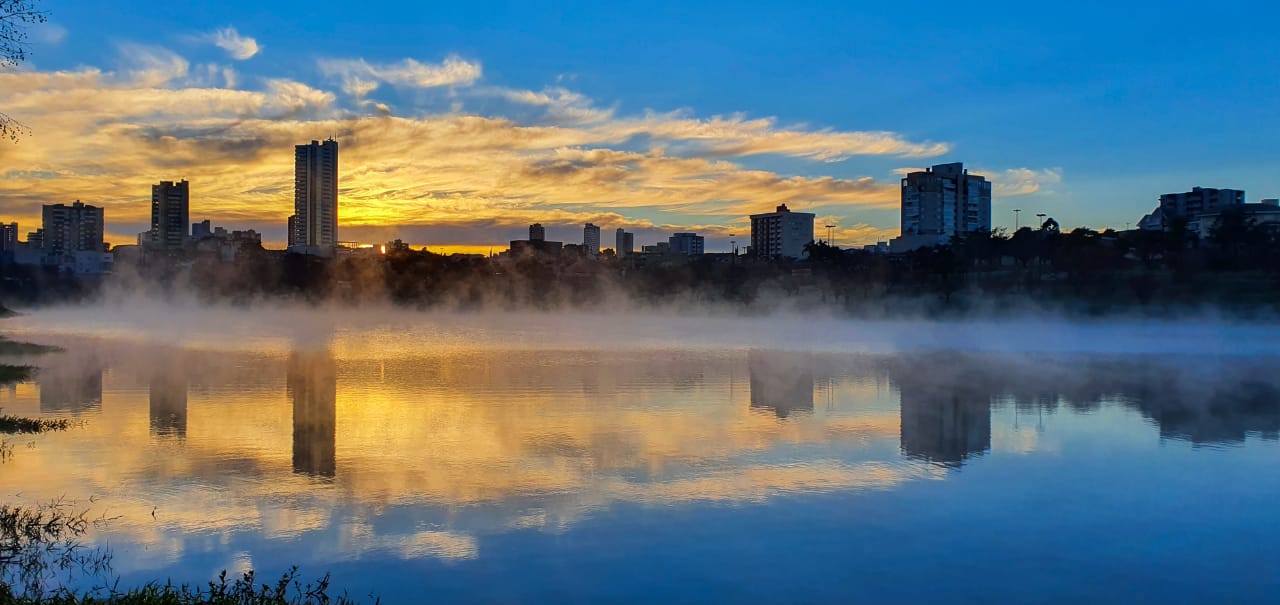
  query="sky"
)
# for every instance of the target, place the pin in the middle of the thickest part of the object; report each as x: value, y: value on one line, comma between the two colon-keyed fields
x: 461, y: 123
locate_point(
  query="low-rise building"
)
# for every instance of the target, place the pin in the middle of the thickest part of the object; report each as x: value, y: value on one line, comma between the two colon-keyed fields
x: 781, y: 234
x: 685, y: 244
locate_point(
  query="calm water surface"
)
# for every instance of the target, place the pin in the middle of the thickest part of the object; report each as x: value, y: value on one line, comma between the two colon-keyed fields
x: 509, y: 464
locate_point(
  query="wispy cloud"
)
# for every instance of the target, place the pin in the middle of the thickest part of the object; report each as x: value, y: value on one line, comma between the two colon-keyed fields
x: 1024, y: 181
x: 360, y: 77
x: 240, y: 47
x: 150, y: 66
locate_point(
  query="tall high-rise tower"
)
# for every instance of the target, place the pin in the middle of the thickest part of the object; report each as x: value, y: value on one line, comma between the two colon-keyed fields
x: 624, y: 243
x: 314, y: 223
x: 170, y: 213
x: 591, y: 238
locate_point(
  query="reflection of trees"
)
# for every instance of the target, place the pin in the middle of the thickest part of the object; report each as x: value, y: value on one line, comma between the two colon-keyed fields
x: 781, y: 382
x: 313, y: 387
x: 67, y: 388
x: 168, y: 401
x: 1226, y: 414
x: 1203, y: 400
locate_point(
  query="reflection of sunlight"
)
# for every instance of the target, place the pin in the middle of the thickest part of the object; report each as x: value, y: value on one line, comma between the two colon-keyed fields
x: 1020, y: 441
x: 422, y: 454
x: 446, y: 431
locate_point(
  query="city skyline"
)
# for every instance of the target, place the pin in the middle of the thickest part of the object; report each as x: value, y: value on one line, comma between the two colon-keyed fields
x: 455, y: 141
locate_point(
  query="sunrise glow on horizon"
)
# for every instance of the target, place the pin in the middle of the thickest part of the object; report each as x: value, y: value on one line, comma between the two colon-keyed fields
x: 456, y: 138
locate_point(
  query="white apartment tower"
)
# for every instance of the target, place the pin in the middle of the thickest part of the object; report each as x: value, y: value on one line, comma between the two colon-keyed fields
x: 781, y: 234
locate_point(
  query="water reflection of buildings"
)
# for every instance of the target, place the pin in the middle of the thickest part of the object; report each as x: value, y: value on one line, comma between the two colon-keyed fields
x: 1224, y: 412
x: 781, y: 382
x: 313, y: 388
x: 70, y: 389
x: 945, y: 415
x: 168, y: 402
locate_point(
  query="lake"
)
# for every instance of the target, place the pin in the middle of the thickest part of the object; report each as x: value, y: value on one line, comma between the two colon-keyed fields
x: 665, y: 458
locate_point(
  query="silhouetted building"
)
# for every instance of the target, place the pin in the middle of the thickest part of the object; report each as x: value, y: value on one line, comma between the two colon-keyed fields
x: 540, y: 246
x: 781, y: 234
x: 70, y: 390
x: 71, y: 229
x: 1264, y: 215
x: 201, y: 230
x: 8, y: 237
x: 940, y: 203
x: 624, y: 243
x: 781, y: 382
x: 1187, y: 207
x: 314, y: 224
x: 658, y: 248
x: 686, y: 244
x: 168, y: 403
x: 313, y: 388
x: 537, y: 233
x: 591, y: 239
x: 170, y: 215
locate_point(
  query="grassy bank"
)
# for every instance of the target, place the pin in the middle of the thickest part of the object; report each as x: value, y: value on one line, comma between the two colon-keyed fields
x: 10, y: 347
x: 12, y: 374
x: 17, y: 424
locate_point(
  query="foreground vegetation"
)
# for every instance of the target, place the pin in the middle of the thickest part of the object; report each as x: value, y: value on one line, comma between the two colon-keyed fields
x: 41, y: 557
x: 17, y: 424
x: 11, y: 374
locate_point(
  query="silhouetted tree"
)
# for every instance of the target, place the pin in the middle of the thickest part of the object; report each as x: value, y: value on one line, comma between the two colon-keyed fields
x: 15, y: 17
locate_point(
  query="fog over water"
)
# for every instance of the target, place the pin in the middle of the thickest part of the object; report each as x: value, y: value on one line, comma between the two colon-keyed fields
x: 351, y: 330
x: 664, y: 457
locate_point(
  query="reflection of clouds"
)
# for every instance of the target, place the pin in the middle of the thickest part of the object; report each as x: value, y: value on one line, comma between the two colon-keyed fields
x: 757, y: 483
x: 1007, y: 440
x: 424, y: 453
x: 358, y: 538
x: 504, y: 440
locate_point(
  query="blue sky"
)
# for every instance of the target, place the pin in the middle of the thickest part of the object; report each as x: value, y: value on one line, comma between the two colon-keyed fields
x: 1105, y: 106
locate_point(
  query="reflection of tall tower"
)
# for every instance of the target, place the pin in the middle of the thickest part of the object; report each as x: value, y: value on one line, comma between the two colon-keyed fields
x: 168, y: 407
x: 313, y: 387
x: 943, y: 421
x: 781, y: 382
x: 75, y: 391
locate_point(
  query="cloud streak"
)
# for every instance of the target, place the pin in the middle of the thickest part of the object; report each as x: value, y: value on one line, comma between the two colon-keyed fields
x: 360, y: 77
x: 552, y: 155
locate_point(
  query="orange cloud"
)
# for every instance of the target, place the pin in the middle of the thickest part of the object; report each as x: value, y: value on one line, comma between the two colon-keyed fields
x: 105, y: 136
